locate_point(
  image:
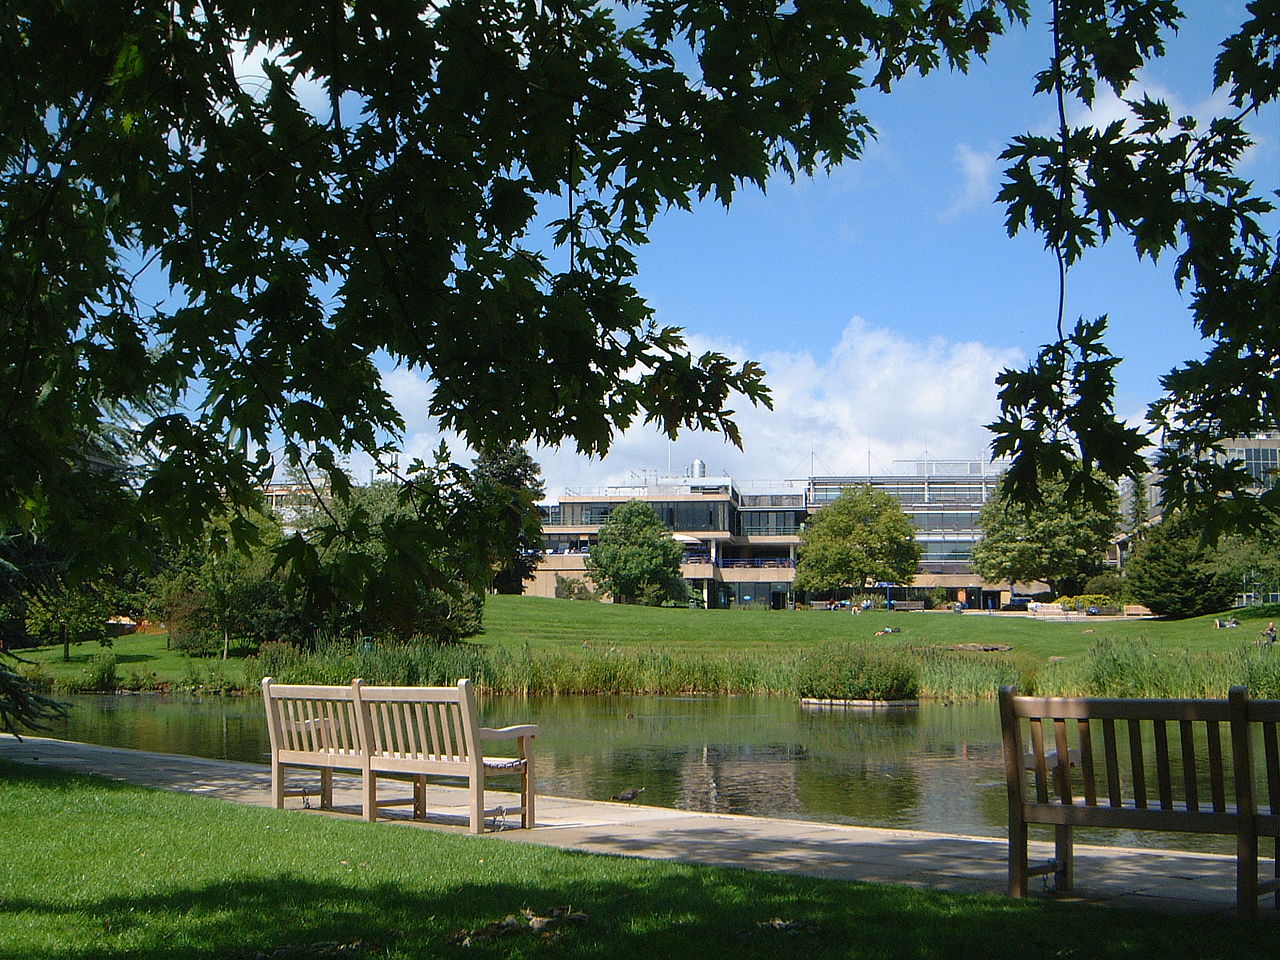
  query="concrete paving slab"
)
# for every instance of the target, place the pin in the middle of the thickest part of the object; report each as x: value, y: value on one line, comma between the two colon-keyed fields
x: 1161, y: 880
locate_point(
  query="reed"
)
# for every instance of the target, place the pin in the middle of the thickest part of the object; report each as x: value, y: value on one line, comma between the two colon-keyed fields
x: 837, y: 670
x: 1135, y: 668
x: 858, y: 672
x: 953, y: 675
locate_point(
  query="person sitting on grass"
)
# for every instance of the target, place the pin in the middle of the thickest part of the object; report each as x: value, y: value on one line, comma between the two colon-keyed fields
x: 1268, y: 634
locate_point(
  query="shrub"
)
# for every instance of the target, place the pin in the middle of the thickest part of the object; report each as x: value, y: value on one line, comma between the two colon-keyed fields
x: 1107, y: 583
x: 1101, y: 603
x: 858, y: 673
x: 571, y: 588
x: 193, y: 625
x: 36, y: 676
x: 101, y: 672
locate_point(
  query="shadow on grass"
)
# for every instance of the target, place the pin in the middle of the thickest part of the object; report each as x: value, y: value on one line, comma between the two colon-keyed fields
x: 417, y: 890
x: 688, y: 914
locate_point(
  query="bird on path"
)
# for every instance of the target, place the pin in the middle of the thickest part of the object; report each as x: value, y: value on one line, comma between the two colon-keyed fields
x: 626, y: 796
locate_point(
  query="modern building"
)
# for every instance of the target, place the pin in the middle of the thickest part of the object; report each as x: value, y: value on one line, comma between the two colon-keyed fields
x: 741, y: 539
x: 1258, y: 455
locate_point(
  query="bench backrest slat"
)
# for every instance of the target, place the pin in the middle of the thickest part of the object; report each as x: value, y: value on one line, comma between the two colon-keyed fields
x: 1084, y: 732
x: 1272, y: 753
x: 1217, y: 773
x: 1114, y: 793
x: 1137, y: 766
x: 1190, y: 788
x: 1037, y: 750
x: 1164, y: 780
x: 1062, y: 769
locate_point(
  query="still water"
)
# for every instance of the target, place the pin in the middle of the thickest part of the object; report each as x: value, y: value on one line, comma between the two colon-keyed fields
x: 931, y: 767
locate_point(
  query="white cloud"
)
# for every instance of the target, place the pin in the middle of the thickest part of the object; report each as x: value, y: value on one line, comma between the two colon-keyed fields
x: 247, y: 64
x: 873, y: 397
x: 978, y: 171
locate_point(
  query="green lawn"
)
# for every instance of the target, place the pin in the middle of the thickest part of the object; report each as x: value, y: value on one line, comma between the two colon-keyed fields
x: 97, y: 869
x: 141, y: 657
x: 551, y: 624
x: 564, y: 625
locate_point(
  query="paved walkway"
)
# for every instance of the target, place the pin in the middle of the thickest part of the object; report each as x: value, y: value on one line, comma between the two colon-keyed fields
x: 1153, y: 879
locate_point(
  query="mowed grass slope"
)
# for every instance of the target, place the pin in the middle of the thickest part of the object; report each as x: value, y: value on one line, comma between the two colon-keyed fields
x: 552, y: 624
x: 98, y: 869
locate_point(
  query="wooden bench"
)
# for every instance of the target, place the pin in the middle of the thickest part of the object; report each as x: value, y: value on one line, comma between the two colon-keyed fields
x: 414, y: 732
x: 908, y: 604
x: 1086, y: 762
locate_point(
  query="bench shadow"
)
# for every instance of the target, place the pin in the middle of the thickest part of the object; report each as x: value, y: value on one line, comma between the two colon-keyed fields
x: 717, y: 913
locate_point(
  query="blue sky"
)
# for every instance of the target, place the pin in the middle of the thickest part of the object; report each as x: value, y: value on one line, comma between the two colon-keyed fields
x: 884, y: 298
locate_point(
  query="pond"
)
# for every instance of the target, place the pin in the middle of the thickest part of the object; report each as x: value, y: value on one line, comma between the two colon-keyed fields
x: 932, y: 767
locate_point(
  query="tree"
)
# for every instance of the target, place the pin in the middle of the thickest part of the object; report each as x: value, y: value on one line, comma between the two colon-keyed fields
x: 517, y: 477
x: 21, y: 708
x: 862, y: 536
x: 210, y: 592
x: 1175, y: 572
x: 635, y: 558
x: 439, y: 598
x: 189, y: 249
x: 1058, y: 541
x: 1251, y: 563
x: 1172, y: 186
x: 69, y: 615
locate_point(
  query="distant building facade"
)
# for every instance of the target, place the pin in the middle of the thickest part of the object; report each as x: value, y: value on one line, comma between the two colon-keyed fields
x: 741, y: 540
x: 1141, y: 506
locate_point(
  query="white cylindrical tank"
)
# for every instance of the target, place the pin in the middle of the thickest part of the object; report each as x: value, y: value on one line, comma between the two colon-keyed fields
x: 699, y: 468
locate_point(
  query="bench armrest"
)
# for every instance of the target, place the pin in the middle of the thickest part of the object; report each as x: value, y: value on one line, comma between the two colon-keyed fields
x: 510, y: 733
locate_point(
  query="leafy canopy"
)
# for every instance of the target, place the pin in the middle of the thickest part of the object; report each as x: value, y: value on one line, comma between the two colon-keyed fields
x: 635, y: 558
x: 1057, y: 540
x: 1170, y: 184
x: 861, y: 536
x: 216, y: 216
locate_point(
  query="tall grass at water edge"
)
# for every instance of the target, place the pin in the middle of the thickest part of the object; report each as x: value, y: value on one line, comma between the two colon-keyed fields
x: 1135, y: 668
x: 838, y: 670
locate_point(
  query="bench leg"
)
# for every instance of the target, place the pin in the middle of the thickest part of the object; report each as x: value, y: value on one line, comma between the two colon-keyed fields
x: 477, y: 803
x: 1064, y: 877
x: 277, y: 784
x: 1017, y: 860
x: 326, y: 789
x: 419, y: 798
x: 369, y: 795
x: 527, y: 819
x: 1247, y: 874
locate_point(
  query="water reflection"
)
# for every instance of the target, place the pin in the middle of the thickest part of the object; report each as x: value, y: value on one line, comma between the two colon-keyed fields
x: 932, y: 768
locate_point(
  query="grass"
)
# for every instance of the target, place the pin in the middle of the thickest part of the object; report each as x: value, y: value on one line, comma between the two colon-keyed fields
x: 533, y: 645
x: 142, y: 662
x: 96, y: 869
x: 565, y: 624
